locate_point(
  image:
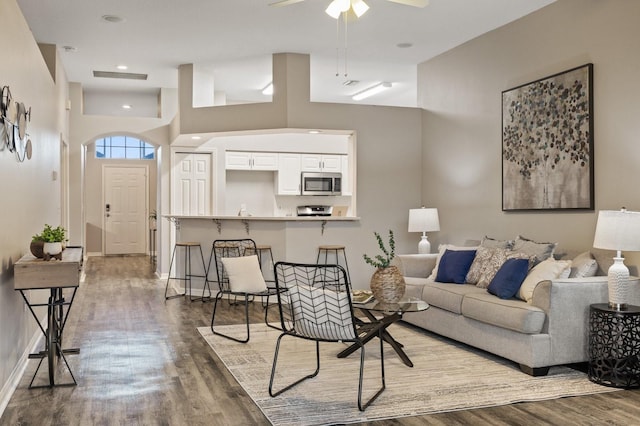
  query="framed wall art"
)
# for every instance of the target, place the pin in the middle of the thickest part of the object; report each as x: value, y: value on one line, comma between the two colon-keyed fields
x: 547, y: 143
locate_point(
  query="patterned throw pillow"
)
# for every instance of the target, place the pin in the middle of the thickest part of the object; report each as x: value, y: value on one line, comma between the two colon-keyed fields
x: 494, y: 264
x: 483, y: 257
x: 541, y: 251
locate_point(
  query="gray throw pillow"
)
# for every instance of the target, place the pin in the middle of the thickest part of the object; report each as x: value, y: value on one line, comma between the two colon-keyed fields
x: 494, y: 243
x: 537, y: 251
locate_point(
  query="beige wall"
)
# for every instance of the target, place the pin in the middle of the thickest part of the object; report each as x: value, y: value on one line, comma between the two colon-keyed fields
x: 461, y: 94
x: 388, y: 151
x: 29, y: 196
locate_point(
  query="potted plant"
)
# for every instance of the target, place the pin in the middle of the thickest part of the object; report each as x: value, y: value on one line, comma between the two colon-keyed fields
x: 53, y: 239
x: 36, y: 246
x: 387, y: 283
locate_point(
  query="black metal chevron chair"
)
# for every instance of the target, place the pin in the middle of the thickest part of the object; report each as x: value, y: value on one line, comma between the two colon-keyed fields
x: 315, y: 304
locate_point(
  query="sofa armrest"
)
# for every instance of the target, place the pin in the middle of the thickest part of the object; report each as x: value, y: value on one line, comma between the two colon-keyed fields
x: 415, y: 265
x: 566, y: 303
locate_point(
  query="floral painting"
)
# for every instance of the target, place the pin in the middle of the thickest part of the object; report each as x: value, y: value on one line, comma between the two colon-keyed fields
x: 547, y: 143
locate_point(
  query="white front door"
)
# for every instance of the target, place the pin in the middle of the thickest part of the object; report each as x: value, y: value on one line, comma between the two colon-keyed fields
x: 125, y: 209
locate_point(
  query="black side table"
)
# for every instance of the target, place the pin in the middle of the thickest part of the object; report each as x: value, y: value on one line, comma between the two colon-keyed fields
x: 614, y: 346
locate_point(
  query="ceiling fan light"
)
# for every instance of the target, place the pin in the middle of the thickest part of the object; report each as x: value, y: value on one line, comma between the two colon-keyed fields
x: 344, y: 5
x: 333, y: 9
x: 359, y: 7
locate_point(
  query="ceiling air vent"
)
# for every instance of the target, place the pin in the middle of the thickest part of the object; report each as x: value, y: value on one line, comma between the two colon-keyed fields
x: 125, y: 75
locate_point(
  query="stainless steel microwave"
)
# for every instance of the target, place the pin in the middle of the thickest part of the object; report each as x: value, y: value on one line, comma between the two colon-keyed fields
x: 314, y: 183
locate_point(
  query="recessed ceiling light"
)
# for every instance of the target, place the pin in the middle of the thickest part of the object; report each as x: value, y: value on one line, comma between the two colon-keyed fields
x: 126, y: 106
x: 122, y: 67
x: 404, y: 45
x: 112, y: 19
x: 350, y: 82
x: 315, y: 132
x: 196, y: 138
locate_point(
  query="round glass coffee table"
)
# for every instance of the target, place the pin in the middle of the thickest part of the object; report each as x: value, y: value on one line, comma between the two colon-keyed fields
x: 387, y: 314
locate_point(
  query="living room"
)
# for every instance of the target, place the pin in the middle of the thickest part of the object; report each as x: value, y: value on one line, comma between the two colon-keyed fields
x: 444, y: 154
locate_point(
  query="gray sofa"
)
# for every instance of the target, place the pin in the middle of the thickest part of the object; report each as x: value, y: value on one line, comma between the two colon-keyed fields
x: 551, y: 330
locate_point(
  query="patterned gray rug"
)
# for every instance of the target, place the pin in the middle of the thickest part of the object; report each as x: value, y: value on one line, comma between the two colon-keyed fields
x: 446, y: 377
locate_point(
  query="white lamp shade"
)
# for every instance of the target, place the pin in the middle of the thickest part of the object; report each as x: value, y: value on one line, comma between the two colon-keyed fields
x: 618, y: 230
x: 423, y: 220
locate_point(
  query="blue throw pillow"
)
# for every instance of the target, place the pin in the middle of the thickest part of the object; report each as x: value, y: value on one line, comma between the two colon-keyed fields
x: 454, y: 266
x: 507, y: 281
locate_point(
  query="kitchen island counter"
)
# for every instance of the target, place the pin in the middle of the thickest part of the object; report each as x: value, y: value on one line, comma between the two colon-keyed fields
x: 267, y: 218
x: 292, y: 238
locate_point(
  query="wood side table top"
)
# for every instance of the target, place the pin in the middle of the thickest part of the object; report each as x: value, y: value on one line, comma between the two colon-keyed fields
x: 31, y: 272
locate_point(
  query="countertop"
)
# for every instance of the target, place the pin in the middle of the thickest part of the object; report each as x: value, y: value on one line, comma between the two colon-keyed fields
x: 269, y: 218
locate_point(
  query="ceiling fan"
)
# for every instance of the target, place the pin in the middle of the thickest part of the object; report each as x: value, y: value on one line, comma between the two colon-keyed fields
x: 359, y: 7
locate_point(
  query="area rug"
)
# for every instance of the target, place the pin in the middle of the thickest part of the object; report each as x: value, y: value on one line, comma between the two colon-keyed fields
x: 446, y: 376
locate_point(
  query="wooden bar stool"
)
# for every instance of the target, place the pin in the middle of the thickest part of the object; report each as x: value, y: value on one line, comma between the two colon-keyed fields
x: 186, y: 277
x: 336, y: 250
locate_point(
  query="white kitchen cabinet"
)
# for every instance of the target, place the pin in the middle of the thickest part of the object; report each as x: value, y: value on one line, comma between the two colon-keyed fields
x: 321, y: 163
x: 242, y: 160
x: 347, y: 181
x: 288, y: 176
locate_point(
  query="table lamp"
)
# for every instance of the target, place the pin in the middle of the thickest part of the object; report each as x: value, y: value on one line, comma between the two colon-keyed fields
x: 618, y: 230
x: 424, y: 220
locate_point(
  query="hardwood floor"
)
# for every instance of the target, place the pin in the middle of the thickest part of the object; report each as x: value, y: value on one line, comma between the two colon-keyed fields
x: 142, y: 362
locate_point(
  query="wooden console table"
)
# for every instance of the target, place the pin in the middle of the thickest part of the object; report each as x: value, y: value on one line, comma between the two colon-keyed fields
x: 31, y: 273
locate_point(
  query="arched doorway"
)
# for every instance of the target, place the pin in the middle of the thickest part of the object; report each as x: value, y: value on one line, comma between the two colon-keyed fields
x: 121, y: 187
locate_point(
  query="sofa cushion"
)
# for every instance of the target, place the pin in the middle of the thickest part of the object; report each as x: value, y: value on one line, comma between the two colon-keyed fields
x: 507, y: 281
x: 511, y: 314
x: 537, y: 251
x: 546, y: 270
x: 583, y: 265
x: 454, y: 266
x: 483, y: 256
x: 495, y: 243
x: 448, y: 297
x: 495, y: 263
x: 442, y: 248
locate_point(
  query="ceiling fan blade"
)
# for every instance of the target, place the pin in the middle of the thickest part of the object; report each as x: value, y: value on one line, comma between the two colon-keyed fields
x: 284, y: 3
x: 415, y: 3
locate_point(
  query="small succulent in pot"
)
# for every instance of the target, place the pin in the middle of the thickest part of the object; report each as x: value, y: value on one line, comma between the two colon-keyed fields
x: 378, y: 260
x: 387, y: 283
x: 53, y: 235
x: 53, y: 240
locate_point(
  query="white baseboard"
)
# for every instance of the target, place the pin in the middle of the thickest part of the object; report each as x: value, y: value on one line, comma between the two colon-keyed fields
x: 94, y: 253
x: 16, y: 375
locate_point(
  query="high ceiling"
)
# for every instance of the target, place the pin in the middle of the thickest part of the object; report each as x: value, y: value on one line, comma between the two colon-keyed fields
x: 236, y: 38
